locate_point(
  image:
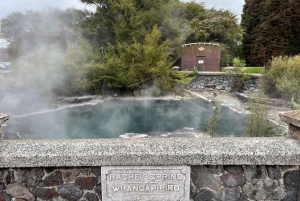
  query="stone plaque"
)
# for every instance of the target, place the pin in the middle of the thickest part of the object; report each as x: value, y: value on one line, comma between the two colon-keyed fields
x: 145, y: 183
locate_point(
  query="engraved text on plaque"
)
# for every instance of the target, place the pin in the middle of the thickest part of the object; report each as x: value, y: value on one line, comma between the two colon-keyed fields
x: 146, y: 183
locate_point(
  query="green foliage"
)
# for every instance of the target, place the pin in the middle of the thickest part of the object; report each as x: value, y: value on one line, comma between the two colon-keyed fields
x: 270, y: 30
x: 239, y: 76
x: 33, y: 29
x: 284, y: 74
x: 76, y: 69
x: 293, y: 104
x: 145, y: 64
x: 258, y: 124
x: 213, y: 119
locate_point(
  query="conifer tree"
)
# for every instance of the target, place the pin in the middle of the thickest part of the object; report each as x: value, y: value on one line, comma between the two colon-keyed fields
x: 269, y: 30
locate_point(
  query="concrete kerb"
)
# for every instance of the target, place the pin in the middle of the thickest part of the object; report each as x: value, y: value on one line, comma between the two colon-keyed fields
x: 150, y: 151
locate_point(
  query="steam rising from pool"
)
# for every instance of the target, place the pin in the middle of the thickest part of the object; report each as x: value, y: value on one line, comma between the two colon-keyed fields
x: 124, y: 118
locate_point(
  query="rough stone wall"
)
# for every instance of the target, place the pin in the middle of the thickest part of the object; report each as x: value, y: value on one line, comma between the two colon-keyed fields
x: 215, y: 183
x: 242, y: 183
x: 223, y: 83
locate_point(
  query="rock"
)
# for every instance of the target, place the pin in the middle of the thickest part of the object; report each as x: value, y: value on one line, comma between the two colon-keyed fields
x: 219, y: 87
x: 96, y: 171
x: 267, y: 189
x: 91, y: 197
x: 255, y: 172
x: 46, y: 193
x: 228, y: 194
x: 136, y: 92
x: 5, y: 197
x: 77, y: 99
x: 17, y: 190
x: 205, y: 194
x: 288, y: 167
x: 202, y: 178
x: 274, y: 171
x: 216, y: 169
x: 98, y: 190
x: 291, y: 180
x: 54, y: 179
x: 193, y: 190
x: 30, y: 177
x: 228, y: 88
x: 232, y: 180
x: 87, y: 183
x: 2, y: 187
x: 70, y: 175
x: 8, y: 177
x: 234, y: 168
x: 70, y: 192
x: 290, y: 196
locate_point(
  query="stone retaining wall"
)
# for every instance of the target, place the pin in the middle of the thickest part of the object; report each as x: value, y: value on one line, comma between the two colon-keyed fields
x: 210, y: 182
x: 222, y: 169
x: 222, y: 82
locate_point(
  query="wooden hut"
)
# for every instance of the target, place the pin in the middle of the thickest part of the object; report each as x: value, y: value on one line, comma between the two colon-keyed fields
x: 203, y: 56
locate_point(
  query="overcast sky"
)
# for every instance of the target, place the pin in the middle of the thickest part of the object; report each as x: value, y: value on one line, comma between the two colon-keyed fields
x: 9, y: 6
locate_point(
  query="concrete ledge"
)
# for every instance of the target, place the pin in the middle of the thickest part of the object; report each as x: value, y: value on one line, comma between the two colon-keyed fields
x: 150, y: 151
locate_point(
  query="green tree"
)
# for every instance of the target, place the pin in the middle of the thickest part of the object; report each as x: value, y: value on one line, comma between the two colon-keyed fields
x: 144, y: 64
x: 213, y: 119
x: 33, y: 29
x: 212, y: 25
x: 258, y: 124
x: 283, y: 78
x: 268, y: 30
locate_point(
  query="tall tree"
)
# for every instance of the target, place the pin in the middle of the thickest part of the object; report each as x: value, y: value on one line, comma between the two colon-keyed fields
x: 269, y: 29
x: 33, y: 29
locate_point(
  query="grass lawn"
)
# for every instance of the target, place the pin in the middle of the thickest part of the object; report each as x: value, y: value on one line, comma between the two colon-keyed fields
x: 249, y: 69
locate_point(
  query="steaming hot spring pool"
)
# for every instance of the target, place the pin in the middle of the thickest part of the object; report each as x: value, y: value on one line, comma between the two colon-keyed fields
x: 117, y: 118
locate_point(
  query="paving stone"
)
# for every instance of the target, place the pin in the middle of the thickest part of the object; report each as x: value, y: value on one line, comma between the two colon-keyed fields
x: 274, y: 171
x: 252, y: 172
x: 228, y: 194
x: 91, y: 197
x: 232, y: 180
x: 203, y: 178
x: 267, y: 189
x: 70, y: 192
x: 87, y: 183
x: 205, y: 194
x: 291, y: 180
x: 46, y: 193
x: 29, y: 177
x: 233, y: 168
x: 216, y: 169
x: 54, y: 179
x: 17, y: 190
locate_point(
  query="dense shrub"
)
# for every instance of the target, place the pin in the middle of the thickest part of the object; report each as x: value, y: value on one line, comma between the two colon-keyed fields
x: 283, y: 78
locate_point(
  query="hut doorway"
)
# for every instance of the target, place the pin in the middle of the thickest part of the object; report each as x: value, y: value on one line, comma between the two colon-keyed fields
x: 200, y: 63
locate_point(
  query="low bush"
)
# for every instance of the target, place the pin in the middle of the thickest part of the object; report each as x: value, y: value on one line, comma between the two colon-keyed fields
x: 283, y: 78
